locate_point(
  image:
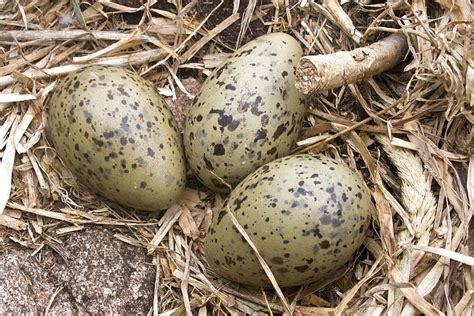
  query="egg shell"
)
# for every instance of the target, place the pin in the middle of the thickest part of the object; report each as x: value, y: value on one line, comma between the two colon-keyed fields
x: 247, y: 113
x: 115, y: 133
x: 306, y: 214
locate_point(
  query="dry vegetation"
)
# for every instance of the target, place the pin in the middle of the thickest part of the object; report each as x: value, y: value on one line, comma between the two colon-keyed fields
x: 409, y: 131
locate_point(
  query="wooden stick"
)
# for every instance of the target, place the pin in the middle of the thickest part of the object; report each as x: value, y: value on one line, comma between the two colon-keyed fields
x: 325, y: 72
x: 49, y: 35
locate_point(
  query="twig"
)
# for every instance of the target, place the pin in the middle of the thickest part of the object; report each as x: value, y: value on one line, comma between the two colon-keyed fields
x: 51, y: 300
x: 78, y: 35
x: 185, y: 281
x: 264, y: 265
x: 245, y: 22
x: 124, y: 60
x: 413, y: 296
x: 210, y: 35
x: 15, y: 97
x: 350, y: 128
x: 254, y: 299
x: 325, y: 72
x: 445, y: 253
x: 172, y: 215
x: 12, y: 223
x: 6, y: 167
x: 78, y: 13
x: 333, y: 11
x: 156, y: 289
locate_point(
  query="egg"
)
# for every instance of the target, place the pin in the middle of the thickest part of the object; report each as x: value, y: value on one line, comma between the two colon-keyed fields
x: 115, y: 133
x: 306, y: 214
x: 247, y: 113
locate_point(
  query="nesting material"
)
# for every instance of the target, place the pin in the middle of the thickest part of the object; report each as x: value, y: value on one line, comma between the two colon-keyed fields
x: 407, y: 130
x: 325, y: 72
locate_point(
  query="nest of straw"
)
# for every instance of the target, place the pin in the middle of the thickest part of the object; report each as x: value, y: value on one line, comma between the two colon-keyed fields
x: 409, y: 131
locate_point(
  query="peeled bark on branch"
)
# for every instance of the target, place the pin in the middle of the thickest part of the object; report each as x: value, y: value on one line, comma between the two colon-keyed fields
x: 325, y: 72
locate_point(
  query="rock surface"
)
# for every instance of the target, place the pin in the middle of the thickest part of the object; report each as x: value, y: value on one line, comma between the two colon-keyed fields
x: 92, y: 272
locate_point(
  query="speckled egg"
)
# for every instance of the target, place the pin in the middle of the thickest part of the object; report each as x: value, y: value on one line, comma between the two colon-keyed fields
x: 116, y: 134
x: 247, y: 113
x: 306, y: 214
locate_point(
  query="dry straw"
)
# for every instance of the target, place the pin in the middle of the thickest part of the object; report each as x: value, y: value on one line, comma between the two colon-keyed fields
x: 408, y: 131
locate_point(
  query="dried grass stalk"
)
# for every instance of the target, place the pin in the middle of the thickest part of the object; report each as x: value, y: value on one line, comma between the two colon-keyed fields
x: 12, y: 223
x: 246, y: 18
x: 333, y: 10
x: 264, y: 265
x: 77, y: 35
x: 15, y: 97
x: 124, y: 60
x: 6, y: 167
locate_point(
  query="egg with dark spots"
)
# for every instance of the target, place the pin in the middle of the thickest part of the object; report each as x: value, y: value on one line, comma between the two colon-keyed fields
x: 247, y: 113
x: 306, y: 214
x: 115, y: 133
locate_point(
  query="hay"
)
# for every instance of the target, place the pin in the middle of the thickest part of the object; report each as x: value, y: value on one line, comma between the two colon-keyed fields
x: 409, y: 132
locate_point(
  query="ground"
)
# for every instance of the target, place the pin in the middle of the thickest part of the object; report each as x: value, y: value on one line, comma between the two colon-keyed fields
x: 91, y: 272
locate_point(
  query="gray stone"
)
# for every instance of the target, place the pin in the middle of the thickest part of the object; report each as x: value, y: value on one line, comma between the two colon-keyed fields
x: 94, y: 272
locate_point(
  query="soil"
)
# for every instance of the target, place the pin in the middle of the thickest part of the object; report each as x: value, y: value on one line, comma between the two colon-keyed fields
x: 92, y: 272
x: 203, y: 9
x: 230, y: 34
x: 180, y: 106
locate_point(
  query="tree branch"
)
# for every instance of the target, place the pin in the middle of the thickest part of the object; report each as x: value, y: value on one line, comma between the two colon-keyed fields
x: 325, y: 72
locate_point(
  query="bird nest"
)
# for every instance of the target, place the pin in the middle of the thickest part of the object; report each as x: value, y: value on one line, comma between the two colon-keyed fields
x: 408, y: 130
